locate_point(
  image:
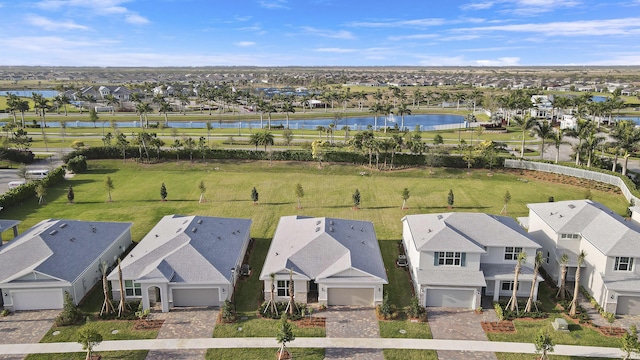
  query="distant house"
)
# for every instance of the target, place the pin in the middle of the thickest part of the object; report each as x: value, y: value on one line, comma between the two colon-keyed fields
x: 332, y: 261
x: 454, y: 258
x: 612, y: 246
x: 55, y: 256
x: 185, y: 261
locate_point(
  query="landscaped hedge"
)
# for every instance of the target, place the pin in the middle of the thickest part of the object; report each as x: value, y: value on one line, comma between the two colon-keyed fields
x: 399, y: 159
x: 18, y: 156
x: 28, y: 191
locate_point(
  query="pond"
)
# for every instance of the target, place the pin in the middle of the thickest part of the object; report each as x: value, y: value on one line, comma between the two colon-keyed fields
x: 27, y: 93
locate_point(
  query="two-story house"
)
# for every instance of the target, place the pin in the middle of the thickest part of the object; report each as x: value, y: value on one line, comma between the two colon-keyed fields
x: 611, y: 245
x: 331, y: 261
x: 454, y: 258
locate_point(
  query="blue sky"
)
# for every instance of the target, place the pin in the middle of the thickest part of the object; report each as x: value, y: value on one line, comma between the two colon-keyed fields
x: 319, y: 32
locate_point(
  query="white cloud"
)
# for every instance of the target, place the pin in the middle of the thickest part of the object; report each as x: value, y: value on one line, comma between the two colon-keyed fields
x: 94, y: 8
x: 51, y: 25
x: 412, y: 37
x: 521, y: 7
x: 478, y: 5
x: 417, y: 23
x: 461, y: 61
x: 335, y: 50
x: 503, y: 61
x: 245, y: 43
x: 136, y: 19
x: 627, y: 26
x: 339, y: 34
x: 273, y: 4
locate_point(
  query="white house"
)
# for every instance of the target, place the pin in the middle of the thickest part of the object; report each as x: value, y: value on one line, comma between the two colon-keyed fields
x: 335, y: 261
x: 568, y: 122
x: 185, y: 261
x: 610, y: 242
x: 55, y: 256
x: 454, y: 258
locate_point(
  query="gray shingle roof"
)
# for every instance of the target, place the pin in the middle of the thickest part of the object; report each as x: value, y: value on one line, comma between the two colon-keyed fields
x: 622, y: 283
x: 507, y: 271
x: 187, y: 249
x: 466, y: 232
x: 597, y: 224
x: 62, y: 249
x: 319, y: 248
x: 450, y: 277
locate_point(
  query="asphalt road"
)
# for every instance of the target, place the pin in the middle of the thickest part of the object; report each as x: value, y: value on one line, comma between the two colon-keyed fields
x: 8, y: 175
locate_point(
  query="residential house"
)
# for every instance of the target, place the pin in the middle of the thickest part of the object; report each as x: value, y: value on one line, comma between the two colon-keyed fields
x: 55, y: 256
x: 332, y: 261
x: 611, y: 244
x: 454, y: 258
x: 185, y: 261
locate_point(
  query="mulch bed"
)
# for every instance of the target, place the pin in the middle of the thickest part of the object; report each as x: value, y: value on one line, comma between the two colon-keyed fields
x: 504, y: 327
x: 563, y: 179
x: 311, y: 322
x: 148, y: 324
x: 612, y: 331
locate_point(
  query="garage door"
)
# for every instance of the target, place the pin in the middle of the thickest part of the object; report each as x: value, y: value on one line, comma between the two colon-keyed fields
x: 37, y: 299
x: 350, y: 296
x: 195, y: 297
x: 628, y: 305
x: 450, y: 298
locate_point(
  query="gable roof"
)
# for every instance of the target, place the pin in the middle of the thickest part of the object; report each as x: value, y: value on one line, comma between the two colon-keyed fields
x: 605, y: 230
x: 62, y: 249
x: 321, y: 248
x: 187, y: 249
x: 465, y: 232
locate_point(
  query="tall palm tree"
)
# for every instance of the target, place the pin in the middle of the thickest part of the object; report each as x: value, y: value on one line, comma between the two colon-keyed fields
x: 626, y: 137
x: 287, y: 108
x: 164, y: 108
x: 386, y: 111
x: 539, y: 260
x: 143, y: 109
x: 112, y: 101
x: 266, y: 139
x: 581, y: 132
x: 544, y: 131
x: 557, y: 139
x: 522, y: 258
x: 376, y: 109
x: 564, y: 261
x: 402, y: 110
x: 22, y: 106
x: 417, y: 97
x: 269, y: 108
x: 458, y: 97
x: 576, y: 287
x: 62, y: 100
x: 42, y: 104
x: 525, y: 123
x: 591, y: 143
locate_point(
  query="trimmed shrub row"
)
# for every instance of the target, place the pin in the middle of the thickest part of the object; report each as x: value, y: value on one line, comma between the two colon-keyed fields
x: 27, y: 191
x: 17, y: 156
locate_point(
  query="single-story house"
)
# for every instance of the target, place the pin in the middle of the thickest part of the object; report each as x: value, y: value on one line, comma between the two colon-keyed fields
x: 455, y: 258
x: 185, y: 261
x: 331, y: 261
x: 55, y: 256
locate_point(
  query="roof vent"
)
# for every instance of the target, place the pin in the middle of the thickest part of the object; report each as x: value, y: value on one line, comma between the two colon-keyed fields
x: 429, y: 230
x: 72, y: 239
x: 351, y: 227
x: 186, y: 221
x: 439, y: 217
x: 330, y: 222
x: 362, y: 229
x: 318, y: 222
x: 63, y: 225
x: 53, y: 232
x: 156, y: 235
x: 199, y: 221
x: 331, y: 228
x: 571, y: 206
x: 317, y: 229
x: 219, y: 238
x: 362, y: 241
x: 93, y: 228
x: 177, y: 231
x: 194, y: 229
x: 560, y: 215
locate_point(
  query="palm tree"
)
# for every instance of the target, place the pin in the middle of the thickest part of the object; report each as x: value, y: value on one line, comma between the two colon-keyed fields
x: 402, y: 110
x: 544, y: 131
x: 22, y: 106
x: 184, y: 101
x: 557, y: 141
x: 165, y: 107
x: 525, y: 124
x: 142, y: 109
x: 62, y: 100
x: 269, y: 108
x: 582, y: 130
x: 564, y: 260
x: 539, y: 260
x: 265, y: 138
x: 576, y: 287
x: 287, y: 108
x: 111, y: 101
x: 458, y: 97
x: 626, y: 137
x: 386, y: 111
x: 376, y: 109
x: 522, y: 258
x: 254, y: 139
x: 417, y: 97
x: 42, y: 104
x: 591, y: 144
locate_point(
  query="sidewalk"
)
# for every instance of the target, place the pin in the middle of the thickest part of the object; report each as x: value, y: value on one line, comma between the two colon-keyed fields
x: 327, y: 343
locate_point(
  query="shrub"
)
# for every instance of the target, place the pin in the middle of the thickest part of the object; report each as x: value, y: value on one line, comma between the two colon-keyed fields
x: 18, y: 156
x: 228, y: 312
x: 415, y: 310
x: 27, y: 191
x: 4, y: 313
x: 386, y: 310
x: 70, y: 314
x: 141, y: 314
x: 499, y: 311
x: 281, y: 308
x: 77, y: 164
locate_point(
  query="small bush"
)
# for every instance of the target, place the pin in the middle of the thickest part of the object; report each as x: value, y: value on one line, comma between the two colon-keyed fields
x: 77, y: 164
x: 70, y: 314
x: 4, y: 313
x: 228, y: 312
x: 281, y: 307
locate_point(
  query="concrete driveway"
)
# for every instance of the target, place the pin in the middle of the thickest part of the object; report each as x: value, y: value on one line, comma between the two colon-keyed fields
x: 25, y: 327
x: 459, y: 324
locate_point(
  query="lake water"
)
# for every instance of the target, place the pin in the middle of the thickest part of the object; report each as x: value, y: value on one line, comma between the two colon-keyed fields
x: 27, y: 93
x: 426, y: 122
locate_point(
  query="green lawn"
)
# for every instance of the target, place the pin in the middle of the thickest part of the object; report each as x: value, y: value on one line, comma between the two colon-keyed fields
x: 105, y: 328
x: 409, y: 354
x: 255, y: 326
x: 107, y: 355
x: 509, y: 356
x: 262, y: 354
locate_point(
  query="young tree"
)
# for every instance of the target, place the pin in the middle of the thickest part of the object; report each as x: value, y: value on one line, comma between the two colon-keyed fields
x: 630, y: 344
x: 299, y: 194
x: 254, y: 195
x: 562, y: 291
x: 202, y: 189
x: 539, y: 260
x: 70, y: 313
x: 544, y: 344
x: 356, y: 199
x: 108, y: 184
x: 93, y: 116
x: 89, y: 338
x: 107, y: 305
x: 285, y: 335
x: 163, y: 192
x: 41, y: 191
x: 70, y: 195
x: 506, y: 199
x: 513, y: 302
x: 576, y: 288
x: 405, y: 196
x: 450, y: 198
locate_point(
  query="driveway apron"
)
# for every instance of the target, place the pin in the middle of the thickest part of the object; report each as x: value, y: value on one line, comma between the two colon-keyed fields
x: 25, y: 327
x: 185, y: 323
x: 351, y: 322
x: 459, y: 324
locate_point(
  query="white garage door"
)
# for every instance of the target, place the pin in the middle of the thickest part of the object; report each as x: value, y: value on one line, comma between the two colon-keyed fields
x: 450, y: 298
x: 350, y: 296
x: 37, y: 299
x: 195, y: 297
x: 628, y: 305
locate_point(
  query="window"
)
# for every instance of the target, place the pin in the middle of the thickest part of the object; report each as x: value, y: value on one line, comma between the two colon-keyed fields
x: 624, y: 263
x: 132, y: 288
x: 283, y: 288
x: 569, y: 236
x: 449, y: 258
x: 508, y: 286
x: 511, y: 253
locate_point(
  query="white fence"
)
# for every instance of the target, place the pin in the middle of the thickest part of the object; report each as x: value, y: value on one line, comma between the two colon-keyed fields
x: 579, y: 173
